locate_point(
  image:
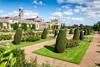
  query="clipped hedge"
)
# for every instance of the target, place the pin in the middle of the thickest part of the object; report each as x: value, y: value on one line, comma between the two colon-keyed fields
x: 81, y: 35
x: 18, y: 36
x: 5, y: 37
x: 56, y: 33
x: 44, y: 33
x: 76, y: 34
x: 72, y: 43
x: 60, y: 42
x: 71, y: 31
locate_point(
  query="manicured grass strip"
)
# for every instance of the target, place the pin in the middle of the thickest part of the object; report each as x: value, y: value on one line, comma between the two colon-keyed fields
x: 23, y: 44
x: 73, y: 55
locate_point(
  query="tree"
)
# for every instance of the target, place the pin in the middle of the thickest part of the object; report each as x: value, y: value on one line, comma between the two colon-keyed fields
x: 56, y: 33
x: 44, y: 33
x: 15, y: 26
x: 18, y: 36
x: 33, y: 27
x: 81, y: 35
x: 71, y: 31
x: 61, y: 41
x: 62, y: 26
x: 76, y: 34
x: 24, y: 26
x: 81, y: 26
x: 1, y: 25
x: 85, y: 32
x: 96, y: 26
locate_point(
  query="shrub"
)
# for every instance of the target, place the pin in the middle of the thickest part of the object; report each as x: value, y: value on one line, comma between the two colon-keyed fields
x: 15, y: 26
x: 81, y: 35
x: 5, y: 30
x: 56, y: 33
x: 24, y: 26
x: 20, y: 58
x: 33, y: 26
x: 61, y: 42
x: 17, y: 36
x: 44, y: 34
x: 5, y: 37
x: 71, y: 31
x: 72, y: 43
x: 29, y: 35
x: 76, y: 34
x: 85, y: 32
x: 7, y: 58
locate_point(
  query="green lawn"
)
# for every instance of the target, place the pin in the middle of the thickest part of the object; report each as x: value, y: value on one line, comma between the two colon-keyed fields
x: 73, y: 55
x: 23, y: 44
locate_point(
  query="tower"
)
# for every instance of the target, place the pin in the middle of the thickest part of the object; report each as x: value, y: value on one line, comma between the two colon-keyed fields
x: 21, y: 13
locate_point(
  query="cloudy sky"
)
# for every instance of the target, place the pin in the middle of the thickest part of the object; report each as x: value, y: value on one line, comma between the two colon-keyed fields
x: 68, y: 11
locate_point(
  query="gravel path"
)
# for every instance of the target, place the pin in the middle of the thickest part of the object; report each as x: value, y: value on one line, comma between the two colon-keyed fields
x: 91, y: 57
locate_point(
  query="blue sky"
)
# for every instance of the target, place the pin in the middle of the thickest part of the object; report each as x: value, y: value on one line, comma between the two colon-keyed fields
x: 68, y: 11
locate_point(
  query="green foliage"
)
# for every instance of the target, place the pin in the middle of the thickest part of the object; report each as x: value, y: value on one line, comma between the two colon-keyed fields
x: 15, y: 26
x: 29, y: 26
x: 72, y: 43
x: 29, y: 35
x: 17, y: 36
x: 20, y: 58
x: 71, y: 31
x: 21, y: 62
x: 87, y: 31
x: 24, y: 26
x: 56, y: 33
x: 61, y: 41
x: 76, y: 34
x: 7, y: 58
x: 1, y: 25
x: 55, y: 27
x: 33, y: 27
x: 81, y: 26
x: 81, y: 35
x: 46, y: 65
x: 96, y: 26
x: 62, y: 26
x: 44, y: 33
x: 5, y: 37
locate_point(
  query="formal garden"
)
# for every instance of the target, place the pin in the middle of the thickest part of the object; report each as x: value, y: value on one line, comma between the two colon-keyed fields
x: 69, y: 50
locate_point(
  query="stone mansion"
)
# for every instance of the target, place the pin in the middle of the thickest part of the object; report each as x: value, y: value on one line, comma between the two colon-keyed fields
x: 39, y: 22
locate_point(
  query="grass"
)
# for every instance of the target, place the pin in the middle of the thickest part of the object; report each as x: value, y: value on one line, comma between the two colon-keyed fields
x: 23, y: 44
x: 73, y: 55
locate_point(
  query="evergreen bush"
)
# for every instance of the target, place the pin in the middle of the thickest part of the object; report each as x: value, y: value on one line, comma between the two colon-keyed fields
x: 61, y: 42
x: 44, y: 33
x: 18, y: 36
x: 76, y: 34
x: 56, y: 33
x: 81, y: 35
x: 71, y: 31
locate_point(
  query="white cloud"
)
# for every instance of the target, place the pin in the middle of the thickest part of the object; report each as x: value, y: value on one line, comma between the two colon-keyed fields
x: 75, y: 18
x: 68, y: 13
x: 30, y: 14
x: 57, y: 14
x: 38, y: 2
x: 27, y: 14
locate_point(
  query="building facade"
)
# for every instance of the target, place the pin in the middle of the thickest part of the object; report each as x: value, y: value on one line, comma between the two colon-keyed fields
x: 39, y: 23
